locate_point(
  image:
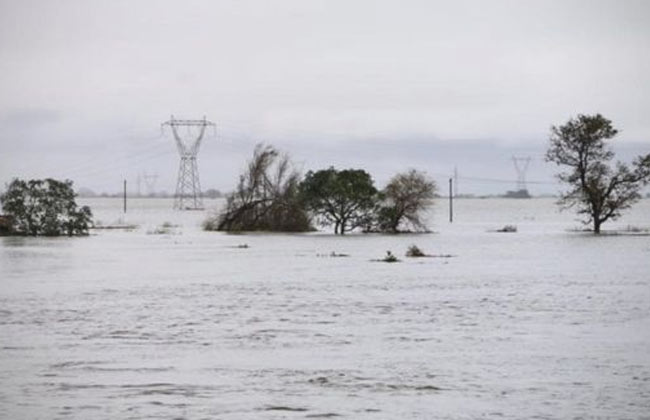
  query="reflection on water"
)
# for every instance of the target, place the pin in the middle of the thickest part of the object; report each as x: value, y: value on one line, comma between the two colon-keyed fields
x: 189, y: 324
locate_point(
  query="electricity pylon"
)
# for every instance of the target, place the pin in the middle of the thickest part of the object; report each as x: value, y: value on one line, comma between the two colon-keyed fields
x: 521, y: 166
x: 150, y: 182
x: 188, y: 187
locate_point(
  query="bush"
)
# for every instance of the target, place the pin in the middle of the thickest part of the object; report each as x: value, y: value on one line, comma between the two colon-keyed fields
x: 508, y: 229
x: 414, y: 251
x: 390, y: 258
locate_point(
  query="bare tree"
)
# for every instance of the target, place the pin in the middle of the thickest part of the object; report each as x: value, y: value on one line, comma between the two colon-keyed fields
x: 266, y: 197
x: 598, y: 190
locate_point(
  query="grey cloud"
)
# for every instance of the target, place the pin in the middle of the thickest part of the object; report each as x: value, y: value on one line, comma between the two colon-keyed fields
x: 381, y: 84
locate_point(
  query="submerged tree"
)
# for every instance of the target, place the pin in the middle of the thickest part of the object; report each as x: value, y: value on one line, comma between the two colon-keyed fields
x: 598, y: 190
x: 45, y: 207
x: 405, y: 198
x: 266, y: 197
x: 344, y: 198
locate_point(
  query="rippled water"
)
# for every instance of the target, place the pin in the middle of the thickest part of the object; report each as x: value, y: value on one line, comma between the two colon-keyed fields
x: 541, y: 323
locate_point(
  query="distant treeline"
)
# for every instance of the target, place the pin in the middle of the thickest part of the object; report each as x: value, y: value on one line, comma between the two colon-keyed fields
x: 88, y: 193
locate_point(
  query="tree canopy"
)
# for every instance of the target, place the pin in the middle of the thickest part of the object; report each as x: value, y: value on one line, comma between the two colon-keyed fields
x: 598, y: 190
x: 272, y: 196
x: 343, y: 198
x: 405, y: 197
x: 45, y: 207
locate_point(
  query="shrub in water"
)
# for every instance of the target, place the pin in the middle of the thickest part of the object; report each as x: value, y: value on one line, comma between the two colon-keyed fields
x: 390, y: 258
x: 414, y: 251
x: 508, y: 229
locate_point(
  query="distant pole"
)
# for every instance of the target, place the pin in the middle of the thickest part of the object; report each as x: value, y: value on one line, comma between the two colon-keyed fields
x: 451, y: 201
x: 125, y: 196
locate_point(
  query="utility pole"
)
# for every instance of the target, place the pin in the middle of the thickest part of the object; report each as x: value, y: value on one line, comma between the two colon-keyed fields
x: 451, y: 201
x: 188, y: 188
x: 125, y: 196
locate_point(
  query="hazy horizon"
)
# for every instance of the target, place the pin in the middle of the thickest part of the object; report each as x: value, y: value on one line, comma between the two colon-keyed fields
x: 381, y: 85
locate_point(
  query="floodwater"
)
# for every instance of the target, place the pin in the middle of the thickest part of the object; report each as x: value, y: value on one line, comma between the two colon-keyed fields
x: 184, y: 324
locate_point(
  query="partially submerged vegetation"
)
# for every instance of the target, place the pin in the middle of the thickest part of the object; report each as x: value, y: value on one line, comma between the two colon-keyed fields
x: 628, y: 230
x: 272, y: 196
x: 334, y: 254
x: 117, y: 225
x: 388, y: 258
x: 404, y: 199
x: 166, y: 228
x: 508, y: 229
x: 414, y: 252
x: 345, y: 199
x: 44, y: 207
x: 596, y: 189
x: 636, y: 229
x: 266, y: 197
x: 348, y: 200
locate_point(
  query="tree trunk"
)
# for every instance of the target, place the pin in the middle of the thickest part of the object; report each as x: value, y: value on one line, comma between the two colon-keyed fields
x: 396, y: 221
x: 343, y: 227
x: 597, y: 224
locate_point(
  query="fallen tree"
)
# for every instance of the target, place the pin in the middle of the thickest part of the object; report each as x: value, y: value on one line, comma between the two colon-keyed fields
x: 266, y: 197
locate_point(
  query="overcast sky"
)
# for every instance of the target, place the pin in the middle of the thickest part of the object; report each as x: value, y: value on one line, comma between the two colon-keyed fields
x: 381, y: 85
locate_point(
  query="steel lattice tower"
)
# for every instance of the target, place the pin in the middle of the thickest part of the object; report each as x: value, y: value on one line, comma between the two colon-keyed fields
x: 521, y: 166
x: 150, y: 182
x: 188, y: 187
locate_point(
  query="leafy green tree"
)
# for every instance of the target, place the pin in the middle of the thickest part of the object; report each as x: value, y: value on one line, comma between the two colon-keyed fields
x: 45, y: 207
x: 344, y: 198
x: 405, y: 198
x: 597, y: 189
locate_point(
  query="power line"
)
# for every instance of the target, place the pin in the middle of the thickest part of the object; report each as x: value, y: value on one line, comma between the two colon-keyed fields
x: 504, y: 181
x: 125, y: 162
x: 89, y: 163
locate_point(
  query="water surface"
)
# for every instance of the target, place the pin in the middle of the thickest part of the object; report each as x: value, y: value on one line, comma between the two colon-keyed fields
x: 542, y: 323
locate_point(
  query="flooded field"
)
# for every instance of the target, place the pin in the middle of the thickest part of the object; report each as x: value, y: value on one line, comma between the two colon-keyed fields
x: 176, y: 323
